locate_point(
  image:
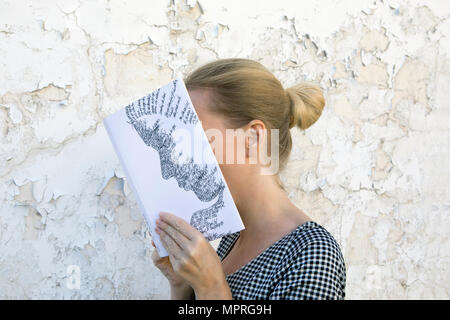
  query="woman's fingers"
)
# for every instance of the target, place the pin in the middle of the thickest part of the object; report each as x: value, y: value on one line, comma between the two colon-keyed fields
x: 171, y: 246
x: 178, y: 237
x: 179, y: 224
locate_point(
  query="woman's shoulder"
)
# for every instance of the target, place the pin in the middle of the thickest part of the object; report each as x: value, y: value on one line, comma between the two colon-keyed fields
x: 311, y: 266
x: 307, y: 236
x: 310, y: 234
x: 306, y: 263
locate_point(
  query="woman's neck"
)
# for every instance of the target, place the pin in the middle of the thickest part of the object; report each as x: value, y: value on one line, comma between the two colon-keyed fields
x: 266, y: 210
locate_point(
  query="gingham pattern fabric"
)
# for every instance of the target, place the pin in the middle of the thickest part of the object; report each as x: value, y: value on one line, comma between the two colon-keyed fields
x: 305, y: 264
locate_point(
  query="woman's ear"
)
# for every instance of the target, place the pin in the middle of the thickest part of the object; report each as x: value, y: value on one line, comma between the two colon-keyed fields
x: 253, y: 138
x: 254, y: 135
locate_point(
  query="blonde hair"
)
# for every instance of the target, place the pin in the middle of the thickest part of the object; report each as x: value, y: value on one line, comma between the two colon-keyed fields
x: 243, y: 90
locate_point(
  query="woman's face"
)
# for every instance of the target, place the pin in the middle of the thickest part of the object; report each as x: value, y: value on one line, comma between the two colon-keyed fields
x: 215, y: 129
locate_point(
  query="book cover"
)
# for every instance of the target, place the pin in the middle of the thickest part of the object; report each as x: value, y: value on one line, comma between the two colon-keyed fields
x: 170, y: 165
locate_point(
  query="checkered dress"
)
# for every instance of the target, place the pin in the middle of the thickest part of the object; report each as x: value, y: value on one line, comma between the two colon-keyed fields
x: 305, y: 264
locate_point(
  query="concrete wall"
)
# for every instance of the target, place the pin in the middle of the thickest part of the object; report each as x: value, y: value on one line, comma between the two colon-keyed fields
x: 373, y: 170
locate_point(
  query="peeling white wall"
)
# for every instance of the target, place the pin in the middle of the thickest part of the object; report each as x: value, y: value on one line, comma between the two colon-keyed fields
x: 373, y: 170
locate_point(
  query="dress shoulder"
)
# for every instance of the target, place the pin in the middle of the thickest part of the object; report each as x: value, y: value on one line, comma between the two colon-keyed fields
x: 312, y: 267
x: 305, y: 264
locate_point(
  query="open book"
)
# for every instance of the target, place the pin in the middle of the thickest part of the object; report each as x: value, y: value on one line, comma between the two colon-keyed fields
x: 170, y: 165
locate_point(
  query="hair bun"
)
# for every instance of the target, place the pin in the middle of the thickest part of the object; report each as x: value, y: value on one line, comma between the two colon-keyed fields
x: 306, y: 102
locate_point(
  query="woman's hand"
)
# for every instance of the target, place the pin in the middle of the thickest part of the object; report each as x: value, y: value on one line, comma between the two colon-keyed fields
x: 192, y: 257
x: 179, y: 289
x: 164, y: 265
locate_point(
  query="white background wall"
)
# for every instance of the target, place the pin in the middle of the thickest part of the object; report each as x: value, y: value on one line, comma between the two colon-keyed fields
x: 373, y: 170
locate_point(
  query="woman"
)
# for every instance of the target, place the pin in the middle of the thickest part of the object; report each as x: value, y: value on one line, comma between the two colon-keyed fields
x: 281, y: 253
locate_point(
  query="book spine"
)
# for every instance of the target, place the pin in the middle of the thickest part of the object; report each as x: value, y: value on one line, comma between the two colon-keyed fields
x: 160, y: 248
